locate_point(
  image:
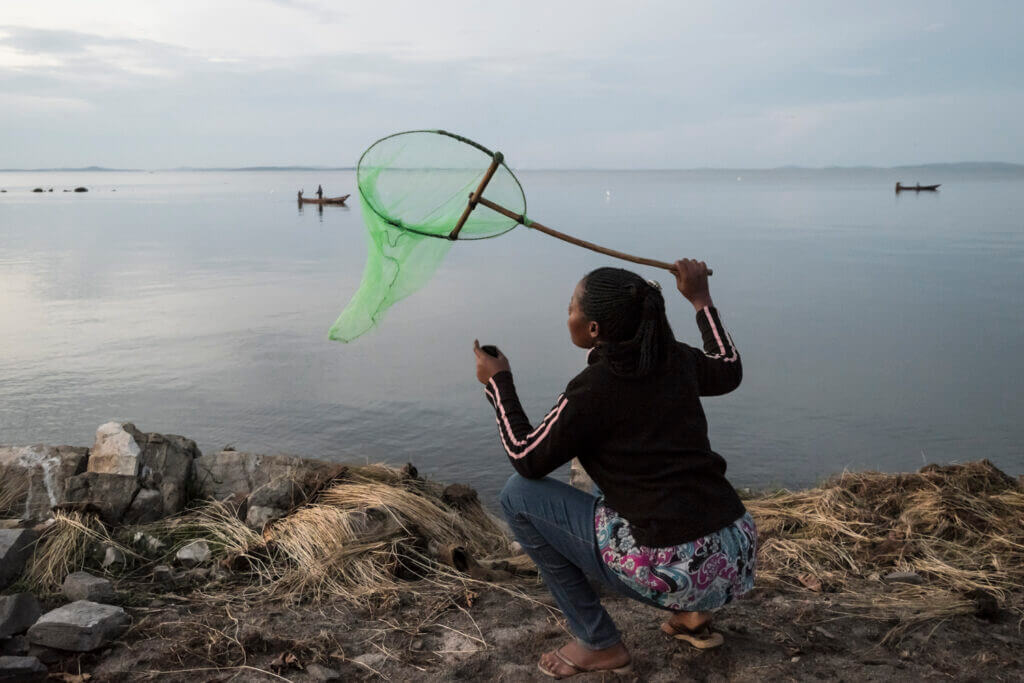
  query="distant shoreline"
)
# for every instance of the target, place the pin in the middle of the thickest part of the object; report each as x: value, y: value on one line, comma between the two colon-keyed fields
x: 997, y: 166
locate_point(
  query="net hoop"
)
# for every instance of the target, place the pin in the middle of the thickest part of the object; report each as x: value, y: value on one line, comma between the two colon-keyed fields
x: 367, y: 202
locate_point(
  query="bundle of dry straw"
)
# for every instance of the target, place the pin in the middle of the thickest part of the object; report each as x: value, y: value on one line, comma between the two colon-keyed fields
x: 358, y: 539
x: 958, y: 527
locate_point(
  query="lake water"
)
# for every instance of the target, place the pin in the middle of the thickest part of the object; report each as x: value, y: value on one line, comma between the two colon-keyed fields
x: 877, y: 331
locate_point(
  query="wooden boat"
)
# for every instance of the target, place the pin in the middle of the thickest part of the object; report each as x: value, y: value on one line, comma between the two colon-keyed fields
x: 340, y: 201
x: 916, y: 188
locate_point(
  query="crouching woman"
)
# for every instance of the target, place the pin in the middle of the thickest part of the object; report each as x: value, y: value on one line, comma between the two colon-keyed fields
x: 666, y: 527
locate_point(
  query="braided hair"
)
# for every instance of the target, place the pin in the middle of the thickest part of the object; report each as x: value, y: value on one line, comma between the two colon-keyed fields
x: 633, y: 332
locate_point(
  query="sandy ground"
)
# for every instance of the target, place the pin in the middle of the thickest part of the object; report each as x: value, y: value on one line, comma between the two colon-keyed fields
x: 486, y: 633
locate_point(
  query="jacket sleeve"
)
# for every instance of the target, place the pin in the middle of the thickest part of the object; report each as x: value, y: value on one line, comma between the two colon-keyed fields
x: 719, y: 369
x: 562, y: 435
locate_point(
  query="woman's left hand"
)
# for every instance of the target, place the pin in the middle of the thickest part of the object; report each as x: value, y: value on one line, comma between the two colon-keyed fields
x: 488, y: 366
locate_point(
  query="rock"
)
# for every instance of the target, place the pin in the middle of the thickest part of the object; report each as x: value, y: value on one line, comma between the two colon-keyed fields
x: 258, y: 516
x: 17, y: 613
x: 148, y: 506
x: 234, y: 473
x: 38, y: 189
x: 81, y: 626
x: 904, y: 577
x: 81, y: 189
x: 194, y: 553
x: 110, y: 494
x: 162, y: 462
x: 46, y: 655
x: 321, y: 673
x: 112, y: 556
x: 167, y: 467
x: 15, y: 646
x: 85, y: 586
x: 150, y: 544
x: 8, y: 523
x: 164, y: 575
x: 282, y: 493
x: 16, y: 546
x: 116, y: 450
x: 22, y: 669
x: 41, y: 473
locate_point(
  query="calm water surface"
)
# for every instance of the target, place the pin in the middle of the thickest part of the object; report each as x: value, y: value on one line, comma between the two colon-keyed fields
x: 877, y: 331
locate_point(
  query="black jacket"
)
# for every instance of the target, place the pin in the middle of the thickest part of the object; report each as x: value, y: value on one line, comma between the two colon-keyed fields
x: 642, y: 440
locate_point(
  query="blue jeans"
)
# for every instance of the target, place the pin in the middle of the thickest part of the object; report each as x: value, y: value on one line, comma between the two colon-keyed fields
x: 554, y: 523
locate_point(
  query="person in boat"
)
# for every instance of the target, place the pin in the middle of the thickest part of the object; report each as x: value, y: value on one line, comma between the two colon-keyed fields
x: 664, y: 526
x: 319, y: 192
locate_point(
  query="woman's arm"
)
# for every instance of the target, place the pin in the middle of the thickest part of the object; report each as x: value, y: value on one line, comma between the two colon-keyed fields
x: 534, y: 451
x: 719, y: 369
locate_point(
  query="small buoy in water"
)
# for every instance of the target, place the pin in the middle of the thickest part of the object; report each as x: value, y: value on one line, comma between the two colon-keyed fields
x: 607, y: 194
x: 739, y: 177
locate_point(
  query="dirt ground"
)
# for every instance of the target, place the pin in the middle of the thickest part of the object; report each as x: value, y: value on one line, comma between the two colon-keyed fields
x: 489, y: 633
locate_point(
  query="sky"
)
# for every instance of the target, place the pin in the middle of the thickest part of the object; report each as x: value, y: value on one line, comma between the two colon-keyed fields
x: 740, y: 84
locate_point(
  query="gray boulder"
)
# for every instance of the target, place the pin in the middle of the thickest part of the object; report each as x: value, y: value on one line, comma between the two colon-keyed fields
x: 194, y: 553
x: 273, y: 484
x: 22, y: 669
x: 162, y: 463
x: 81, y: 626
x: 39, y: 474
x: 110, y: 494
x: 116, y: 450
x: 85, y: 586
x: 17, y: 613
x: 16, y: 546
x: 167, y: 467
x: 147, y: 506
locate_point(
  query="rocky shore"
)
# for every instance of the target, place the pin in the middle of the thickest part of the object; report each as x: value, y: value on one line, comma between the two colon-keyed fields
x: 142, y: 558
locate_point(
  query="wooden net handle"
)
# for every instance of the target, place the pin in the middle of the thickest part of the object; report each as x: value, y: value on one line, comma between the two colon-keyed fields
x: 523, y: 220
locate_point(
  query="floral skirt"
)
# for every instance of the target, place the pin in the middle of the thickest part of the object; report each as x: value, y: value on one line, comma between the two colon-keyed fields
x: 696, y: 576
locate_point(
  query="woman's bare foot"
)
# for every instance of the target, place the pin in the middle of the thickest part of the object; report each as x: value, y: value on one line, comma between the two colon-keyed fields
x: 693, y: 628
x: 690, y: 620
x: 573, y: 658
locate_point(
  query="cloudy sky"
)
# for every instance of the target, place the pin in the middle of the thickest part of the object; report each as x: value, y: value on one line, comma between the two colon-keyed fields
x: 145, y: 84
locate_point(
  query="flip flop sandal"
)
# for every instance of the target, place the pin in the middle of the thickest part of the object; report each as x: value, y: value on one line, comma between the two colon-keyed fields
x: 576, y: 669
x: 702, y: 638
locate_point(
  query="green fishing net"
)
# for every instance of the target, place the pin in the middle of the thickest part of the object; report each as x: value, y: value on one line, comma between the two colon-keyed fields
x: 413, y: 187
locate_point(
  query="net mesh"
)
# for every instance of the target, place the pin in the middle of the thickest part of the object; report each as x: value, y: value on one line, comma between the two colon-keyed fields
x: 413, y: 187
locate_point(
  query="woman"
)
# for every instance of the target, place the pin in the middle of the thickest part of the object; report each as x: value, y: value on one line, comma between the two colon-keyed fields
x: 667, y: 528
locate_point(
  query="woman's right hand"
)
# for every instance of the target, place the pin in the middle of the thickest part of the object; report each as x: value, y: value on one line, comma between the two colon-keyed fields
x: 692, y: 281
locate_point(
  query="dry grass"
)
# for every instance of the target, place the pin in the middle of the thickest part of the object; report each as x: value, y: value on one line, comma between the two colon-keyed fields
x: 13, y: 494
x: 64, y: 547
x: 959, y: 527
x: 359, y: 540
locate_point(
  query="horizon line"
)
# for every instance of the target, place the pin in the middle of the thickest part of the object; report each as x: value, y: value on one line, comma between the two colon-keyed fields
x: 1006, y: 165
